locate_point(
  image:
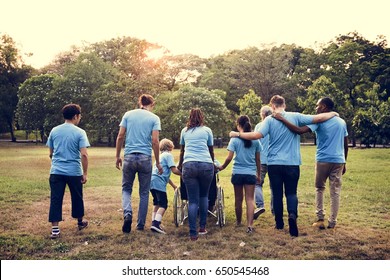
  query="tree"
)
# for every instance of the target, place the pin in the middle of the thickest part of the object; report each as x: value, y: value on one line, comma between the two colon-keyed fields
x: 323, y: 87
x: 82, y: 83
x: 250, y: 105
x: 31, y: 110
x: 349, y: 65
x: 173, y: 109
x: 13, y: 72
x: 371, y: 121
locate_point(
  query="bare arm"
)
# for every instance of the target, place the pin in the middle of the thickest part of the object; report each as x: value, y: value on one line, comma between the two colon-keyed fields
x: 324, y: 117
x: 119, y: 144
x: 172, y: 184
x: 227, y: 161
x: 156, y: 149
x: 175, y: 170
x: 254, y: 135
x: 181, y: 157
x: 211, y: 151
x: 84, y: 163
x: 296, y: 129
x: 51, y: 152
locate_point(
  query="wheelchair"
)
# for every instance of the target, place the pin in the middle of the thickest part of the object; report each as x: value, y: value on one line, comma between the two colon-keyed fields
x: 216, y: 203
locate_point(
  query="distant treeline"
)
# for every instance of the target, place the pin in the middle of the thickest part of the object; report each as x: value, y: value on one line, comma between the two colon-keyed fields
x: 107, y: 77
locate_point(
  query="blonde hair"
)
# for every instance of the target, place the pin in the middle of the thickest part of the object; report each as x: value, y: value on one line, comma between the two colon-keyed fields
x: 166, y: 145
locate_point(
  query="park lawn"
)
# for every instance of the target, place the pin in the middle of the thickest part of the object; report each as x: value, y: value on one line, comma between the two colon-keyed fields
x: 363, y: 230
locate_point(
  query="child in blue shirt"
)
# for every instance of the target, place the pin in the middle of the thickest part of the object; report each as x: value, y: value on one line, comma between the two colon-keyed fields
x: 159, y: 183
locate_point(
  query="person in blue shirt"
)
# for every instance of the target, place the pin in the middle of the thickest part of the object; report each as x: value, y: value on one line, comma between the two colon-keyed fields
x: 284, y: 158
x: 69, y: 166
x: 331, y: 155
x: 265, y: 111
x: 159, y: 182
x: 197, y: 165
x: 141, y: 129
x: 246, y: 170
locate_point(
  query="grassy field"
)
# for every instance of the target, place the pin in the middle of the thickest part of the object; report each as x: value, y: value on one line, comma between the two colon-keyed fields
x: 363, y: 231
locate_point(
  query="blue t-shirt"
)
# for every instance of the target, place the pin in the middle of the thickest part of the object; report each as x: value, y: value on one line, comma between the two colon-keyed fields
x: 139, y: 124
x: 244, y: 161
x: 197, y: 141
x: 264, y: 145
x: 330, y: 140
x: 159, y: 182
x: 284, y: 145
x: 66, y: 140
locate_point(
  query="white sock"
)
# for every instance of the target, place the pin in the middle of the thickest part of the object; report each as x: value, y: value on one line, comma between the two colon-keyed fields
x: 158, y: 217
x: 153, y: 216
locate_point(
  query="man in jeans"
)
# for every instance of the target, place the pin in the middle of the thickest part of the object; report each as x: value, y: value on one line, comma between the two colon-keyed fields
x: 265, y: 111
x: 332, y: 152
x: 284, y: 158
x: 69, y: 166
x: 141, y: 129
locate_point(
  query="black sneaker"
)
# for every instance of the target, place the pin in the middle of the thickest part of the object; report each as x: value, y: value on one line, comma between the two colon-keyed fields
x: 156, y: 227
x: 331, y: 225
x: 82, y: 225
x: 126, y: 228
x: 258, y: 212
x: 292, y: 224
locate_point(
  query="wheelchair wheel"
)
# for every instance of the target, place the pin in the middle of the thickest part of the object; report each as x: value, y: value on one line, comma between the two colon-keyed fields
x: 178, y: 208
x: 221, y: 207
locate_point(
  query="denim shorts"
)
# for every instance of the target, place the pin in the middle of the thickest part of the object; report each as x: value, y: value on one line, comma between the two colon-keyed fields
x: 243, y: 179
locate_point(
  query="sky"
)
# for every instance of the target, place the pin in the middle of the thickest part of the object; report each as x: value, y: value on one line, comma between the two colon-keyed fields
x: 202, y: 27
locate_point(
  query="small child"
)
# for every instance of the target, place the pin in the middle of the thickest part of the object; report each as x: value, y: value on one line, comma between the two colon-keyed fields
x: 159, y: 183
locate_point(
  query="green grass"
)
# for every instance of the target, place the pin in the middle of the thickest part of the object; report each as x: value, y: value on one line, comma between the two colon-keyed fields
x: 362, y: 232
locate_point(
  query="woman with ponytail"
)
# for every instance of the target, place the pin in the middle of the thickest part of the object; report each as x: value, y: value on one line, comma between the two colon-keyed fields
x: 245, y: 172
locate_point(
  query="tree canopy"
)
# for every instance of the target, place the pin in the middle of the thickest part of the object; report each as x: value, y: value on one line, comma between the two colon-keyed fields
x: 106, y: 79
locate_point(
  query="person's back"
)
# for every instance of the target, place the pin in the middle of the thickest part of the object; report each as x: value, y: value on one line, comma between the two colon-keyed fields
x: 284, y: 145
x: 66, y: 140
x: 330, y: 140
x: 159, y: 181
x: 197, y: 140
x: 139, y: 125
x: 244, y: 161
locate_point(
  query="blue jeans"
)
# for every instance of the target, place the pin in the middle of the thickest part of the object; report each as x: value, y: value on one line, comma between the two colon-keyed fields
x: 133, y: 164
x: 197, y: 177
x: 259, y: 198
x: 284, y: 177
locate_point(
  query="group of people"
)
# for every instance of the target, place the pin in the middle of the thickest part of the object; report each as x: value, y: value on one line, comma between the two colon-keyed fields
x: 277, y: 152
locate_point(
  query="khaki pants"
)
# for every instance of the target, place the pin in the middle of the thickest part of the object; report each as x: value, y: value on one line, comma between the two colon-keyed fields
x: 333, y: 171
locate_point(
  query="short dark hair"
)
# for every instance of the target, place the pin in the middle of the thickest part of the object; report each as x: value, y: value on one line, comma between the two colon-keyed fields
x: 145, y: 100
x: 70, y: 110
x: 277, y: 100
x: 328, y: 102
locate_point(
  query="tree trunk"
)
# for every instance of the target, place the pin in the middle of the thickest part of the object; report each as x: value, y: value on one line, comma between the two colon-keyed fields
x: 11, y: 129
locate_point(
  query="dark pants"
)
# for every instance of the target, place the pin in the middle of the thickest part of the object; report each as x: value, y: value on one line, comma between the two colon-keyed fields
x: 284, y: 177
x: 57, y: 188
x: 159, y: 198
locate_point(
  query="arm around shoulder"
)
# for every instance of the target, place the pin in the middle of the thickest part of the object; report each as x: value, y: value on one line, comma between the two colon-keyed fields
x: 324, y: 117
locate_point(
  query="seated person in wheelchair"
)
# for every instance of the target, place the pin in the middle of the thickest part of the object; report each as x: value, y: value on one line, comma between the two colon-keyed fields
x: 212, y: 190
